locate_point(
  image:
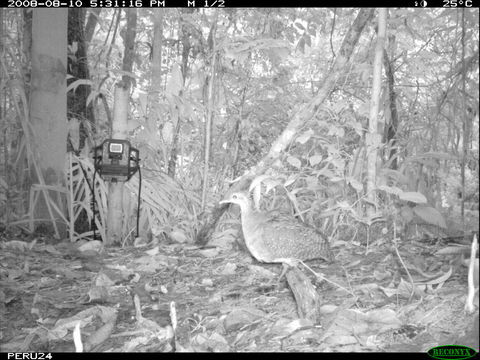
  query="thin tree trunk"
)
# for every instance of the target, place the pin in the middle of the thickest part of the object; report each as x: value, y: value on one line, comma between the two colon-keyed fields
x: 390, y: 138
x: 91, y: 24
x: 116, y: 217
x: 155, y: 113
x: 78, y: 69
x: 175, y: 113
x: 210, y: 111
x: 373, y: 138
x: 129, y: 42
x: 156, y: 66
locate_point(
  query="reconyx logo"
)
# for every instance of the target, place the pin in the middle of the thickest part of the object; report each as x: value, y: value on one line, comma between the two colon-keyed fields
x: 456, y: 352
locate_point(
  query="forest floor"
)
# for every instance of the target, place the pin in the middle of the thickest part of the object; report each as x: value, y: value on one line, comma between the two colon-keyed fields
x: 220, y: 299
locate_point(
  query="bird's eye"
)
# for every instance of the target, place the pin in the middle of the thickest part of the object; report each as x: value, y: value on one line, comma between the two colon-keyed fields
x: 234, y: 196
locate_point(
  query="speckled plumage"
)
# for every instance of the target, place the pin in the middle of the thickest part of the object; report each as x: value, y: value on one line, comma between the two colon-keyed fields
x: 273, y: 239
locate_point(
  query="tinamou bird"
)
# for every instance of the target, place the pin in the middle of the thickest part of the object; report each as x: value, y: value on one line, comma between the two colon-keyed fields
x: 274, y: 239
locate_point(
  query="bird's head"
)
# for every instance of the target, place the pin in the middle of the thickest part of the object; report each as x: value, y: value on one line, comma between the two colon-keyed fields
x: 238, y: 198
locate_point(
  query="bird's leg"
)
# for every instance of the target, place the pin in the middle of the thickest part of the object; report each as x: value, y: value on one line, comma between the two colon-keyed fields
x: 284, y: 271
x: 275, y: 282
x: 286, y: 264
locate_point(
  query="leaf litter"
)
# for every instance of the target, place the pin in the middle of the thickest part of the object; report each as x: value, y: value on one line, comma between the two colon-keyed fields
x: 177, y: 298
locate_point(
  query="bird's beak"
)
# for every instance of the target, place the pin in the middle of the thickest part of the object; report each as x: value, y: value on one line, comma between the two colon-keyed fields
x: 224, y: 201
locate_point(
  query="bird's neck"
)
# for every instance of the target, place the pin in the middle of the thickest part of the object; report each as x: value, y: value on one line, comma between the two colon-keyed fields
x: 246, y: 209
x: 251, y: 218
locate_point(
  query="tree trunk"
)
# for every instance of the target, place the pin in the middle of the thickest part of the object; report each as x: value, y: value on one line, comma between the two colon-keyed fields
x: 78, y: 68
x: 116, y: 217
x: 91, y: 24
x: 77, y: 106
x: 390, y: 133
x: 129, y: 43
x: 209, y: 102
x: 48, y: 106
x: 286, y: 137
x: 373, y: 138
x: 155, y: 112
x: 156, y: 66
x: 176, y: 116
